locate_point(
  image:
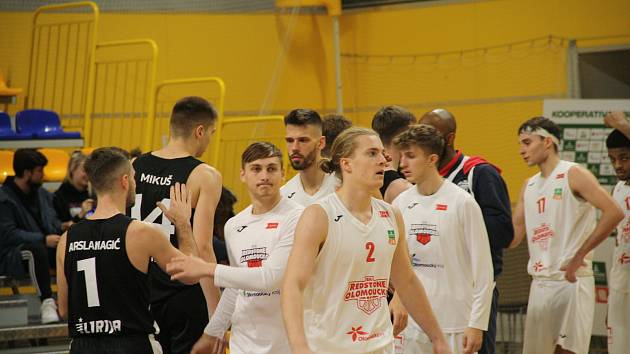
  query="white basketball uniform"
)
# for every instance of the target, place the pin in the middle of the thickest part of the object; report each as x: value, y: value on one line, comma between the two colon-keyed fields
x: 258, y: 248
x: 557, y: 224
x: 450, y: 254
x: 619, y: 298
x: 294, y: 190
x: 345, y: 302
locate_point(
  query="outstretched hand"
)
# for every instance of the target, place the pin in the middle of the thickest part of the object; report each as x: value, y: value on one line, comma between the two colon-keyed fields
x: 179, y: 208
x: 189, y: 269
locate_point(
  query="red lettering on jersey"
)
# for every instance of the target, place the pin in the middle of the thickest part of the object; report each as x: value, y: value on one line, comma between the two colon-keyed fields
x: 357, y: 333
x: 384, y: 213
x: 272, y: 225
x: 254, y: 263
x: 441, y: 207
x: 369, y: 293
x: 627, y: 203
x: 541, y: 205
x: 560, y: 176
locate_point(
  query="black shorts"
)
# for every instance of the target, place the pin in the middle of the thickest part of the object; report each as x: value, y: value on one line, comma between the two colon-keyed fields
x: 181, y: 319
x: 141, y: 344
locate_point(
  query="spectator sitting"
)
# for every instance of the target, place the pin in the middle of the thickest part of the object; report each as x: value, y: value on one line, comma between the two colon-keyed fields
x: 28, y: 225
x: 72, y: 201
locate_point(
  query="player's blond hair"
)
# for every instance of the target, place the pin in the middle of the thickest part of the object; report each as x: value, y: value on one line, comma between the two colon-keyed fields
x: 343, y: 147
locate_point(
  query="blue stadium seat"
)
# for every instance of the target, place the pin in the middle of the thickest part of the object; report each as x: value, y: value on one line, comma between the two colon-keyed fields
x: 42, y: 124
x: 6, y: 131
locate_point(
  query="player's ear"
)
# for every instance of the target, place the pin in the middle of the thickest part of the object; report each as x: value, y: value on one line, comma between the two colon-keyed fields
x: 242, y: 175
x: 322, y: 142
x: 344, y: 163
x: 450, y: 139
x: 199, y: 131
x: 124, y: 181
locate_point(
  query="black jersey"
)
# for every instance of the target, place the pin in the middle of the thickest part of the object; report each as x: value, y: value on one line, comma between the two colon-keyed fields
x: 154, y: 177
x: 389, y: 177
x: 107, y: 295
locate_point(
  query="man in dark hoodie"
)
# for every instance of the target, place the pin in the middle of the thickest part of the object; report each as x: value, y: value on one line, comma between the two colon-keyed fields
x: 483, y: 180
x: 28, y: 226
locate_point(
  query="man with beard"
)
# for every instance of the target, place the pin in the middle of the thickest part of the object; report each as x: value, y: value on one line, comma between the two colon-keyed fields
x: 304, y: 145
x: 29, y: 227
x: 102, y: 262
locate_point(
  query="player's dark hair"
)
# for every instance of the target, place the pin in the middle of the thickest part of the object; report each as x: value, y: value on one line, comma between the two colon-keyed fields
x: 332, y: 126
x: 424, y: 136
x: 616, y: 139
x: 190, y: 112
x: 260, y: 150
x: 389, y: 121
x: 104, y: 165
x: 303, y: 117
x: 27, y: 160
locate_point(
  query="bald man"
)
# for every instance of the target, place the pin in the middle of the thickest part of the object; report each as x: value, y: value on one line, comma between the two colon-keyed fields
x: 483, y: 180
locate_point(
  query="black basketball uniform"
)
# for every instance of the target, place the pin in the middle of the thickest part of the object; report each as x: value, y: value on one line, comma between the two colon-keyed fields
x: 179, y: 310
x: 108, y: 298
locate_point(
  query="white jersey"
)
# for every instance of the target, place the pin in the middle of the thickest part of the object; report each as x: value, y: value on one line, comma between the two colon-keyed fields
x: 294, y: 190
x: 450, y: 254
x: 557, y: 224
x: 620, y: 271
x: 345, y: 302
x: 258, y: 248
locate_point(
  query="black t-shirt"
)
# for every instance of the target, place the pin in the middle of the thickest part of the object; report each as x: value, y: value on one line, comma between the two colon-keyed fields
x: 389, y: 177
x: 67, y: 202
x: 107, y: 295
x: 154, y: 177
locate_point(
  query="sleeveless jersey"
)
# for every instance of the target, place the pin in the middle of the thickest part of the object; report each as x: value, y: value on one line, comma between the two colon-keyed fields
x: 345, y: 302
x: 620, y: 271
x: 557, y: 224
x: 294, y: 191
x: 154, y: 177
x: 107, y: 295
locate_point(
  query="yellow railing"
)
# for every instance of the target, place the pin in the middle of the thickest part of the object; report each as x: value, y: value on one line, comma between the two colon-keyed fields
x: 162, y: 106
x: 61, y: 70
x: 123, y: 103
x: 236, y: 134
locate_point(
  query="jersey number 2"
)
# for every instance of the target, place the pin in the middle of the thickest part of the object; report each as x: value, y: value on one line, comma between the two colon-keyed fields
x: 370, y: 247
x: 88, y: 267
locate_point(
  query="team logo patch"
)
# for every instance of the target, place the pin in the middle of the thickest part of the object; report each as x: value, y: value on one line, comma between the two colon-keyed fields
x: 410, y: 206
x: 254, y: 257
x: 423, y: 232
x: 291, y: 195
x: 557, y: 194
x: 384, y: 213
x: 441, y: 207
x: 625, y: 232
x: 368, y: 293
x: 338, y: 218
x: 358, y: 334
x: 241, y: 228
x: 272, y: 225
x: 538, y: 266
x: 624, y: 258
x: 542, y: 235
x: 391, y: 237
x: 560, y: 176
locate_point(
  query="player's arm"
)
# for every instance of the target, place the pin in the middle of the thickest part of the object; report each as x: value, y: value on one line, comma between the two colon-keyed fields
x: 62, y: 283
x: 478, y: 247
x: 209, y: 181
x: 395, y: 188
x: 518, y: 219
x: 412, y: 293
x: 300, y: 266
x: 617, y: 120
x: 212, y: 339
x: 584, y: 185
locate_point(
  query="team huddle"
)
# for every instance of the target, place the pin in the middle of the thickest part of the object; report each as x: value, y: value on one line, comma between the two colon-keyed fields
x: 378, y: 225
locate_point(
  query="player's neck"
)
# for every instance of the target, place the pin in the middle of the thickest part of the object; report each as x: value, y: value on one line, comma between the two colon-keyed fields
x: 395, y: 155
x: 550, y: 163
x: 431, y: 184
x: 312, y: 178
x: 265, y: 204
x: 356, y: 200
x: 176, y: 148
x: 109, y: 205
x: 449, y: 155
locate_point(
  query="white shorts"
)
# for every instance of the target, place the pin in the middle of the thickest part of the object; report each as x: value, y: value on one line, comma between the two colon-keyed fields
x: 415, y: 341
x: 618, y: 322
x: 559, y: 313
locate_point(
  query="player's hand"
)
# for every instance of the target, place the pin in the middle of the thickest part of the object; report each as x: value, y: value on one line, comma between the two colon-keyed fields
x: 472, y: 340
x: 441, y: 347
x: 615, y: 119
x: 180, y: 208
x: 52, y: 240
x: 570, y: 268
x: 189, y: 269
x: 209, y: 345
x: 399, y: 314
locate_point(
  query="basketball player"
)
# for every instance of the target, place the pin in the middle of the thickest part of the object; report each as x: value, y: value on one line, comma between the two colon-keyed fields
x: 618, y: 146
x: 448, y: 245
x: 335, y: 287
x: 181, y: 311
x: 102, y: 262
x: 259, y: 240
x: 304, y: 145
x: 557, y: 212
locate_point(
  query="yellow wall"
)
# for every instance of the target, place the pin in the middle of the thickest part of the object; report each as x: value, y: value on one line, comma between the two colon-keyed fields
x: 489, y: 93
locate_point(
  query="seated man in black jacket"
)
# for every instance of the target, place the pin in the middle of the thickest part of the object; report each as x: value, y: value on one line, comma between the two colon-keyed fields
x: 28, y: 225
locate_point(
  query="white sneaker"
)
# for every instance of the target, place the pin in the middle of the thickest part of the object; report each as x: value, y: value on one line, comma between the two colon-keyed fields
x: 49, y: 311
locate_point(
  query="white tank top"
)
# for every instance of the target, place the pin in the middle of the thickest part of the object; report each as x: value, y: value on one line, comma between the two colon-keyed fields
x: 620, y: 271
x: 557, y: 223
x: 345, y: 302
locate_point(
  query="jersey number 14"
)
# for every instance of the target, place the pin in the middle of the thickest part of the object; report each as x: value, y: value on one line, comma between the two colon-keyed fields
x: 167, y: 228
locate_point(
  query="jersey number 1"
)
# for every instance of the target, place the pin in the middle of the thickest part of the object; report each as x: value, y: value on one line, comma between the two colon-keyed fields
x: 370, y: 247
x: 88, y: 267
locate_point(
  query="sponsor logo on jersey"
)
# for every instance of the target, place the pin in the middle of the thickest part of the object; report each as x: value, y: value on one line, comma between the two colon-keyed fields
x: 441, y: 207
x: 157, y: 180
x: 383, y: 213
x: 463, y: 184
x: 410, y: 206
x: 557, y: 194
x: 542, y: 235
x: 272, y: 225
x: 560, y: 176
x: 625, y: 232
x: 538, y: 266
x: 98, y: 326
x: 358, y: 334
x: 241, y: 228
x: 391, y: 237
x: 417, y: 262
x: 254, y: 257
x: 368, y: 293
x: 338, y: 218
x: 291, y: 195
x: 423, y: 232
x: 624, y: 258
x: 104, y: 245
